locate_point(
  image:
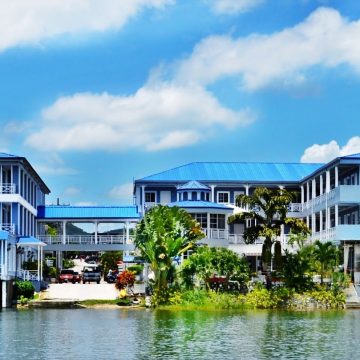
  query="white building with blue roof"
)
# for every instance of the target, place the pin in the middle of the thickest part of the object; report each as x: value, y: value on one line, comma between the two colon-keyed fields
x: 327, y: 199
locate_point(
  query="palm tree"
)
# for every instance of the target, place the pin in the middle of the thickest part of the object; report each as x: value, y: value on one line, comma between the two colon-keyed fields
x: 164, y: 233
x: 325, y: 255
x: 269, y: 210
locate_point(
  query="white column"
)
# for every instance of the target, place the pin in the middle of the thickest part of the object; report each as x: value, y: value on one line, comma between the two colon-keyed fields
x: 313, y: 188
x: 302, y: 194
x: 321, y: 184
x: 3, y: 294
x: 38, y: 262
x: 307, y: 221
x: 313, y: 223
x: 127, y: 229
x: 336, y: 176
x: 64, y: 232
x: 6, y: 256
x: 96, y: 223
x: 336, y: 215
x: 41, y: 261
x: 142, y: 199
x: 208, y: 225
x: 226, y: 227
x: 327, y: 181
x: 307, y: 191
x: 213, y: 193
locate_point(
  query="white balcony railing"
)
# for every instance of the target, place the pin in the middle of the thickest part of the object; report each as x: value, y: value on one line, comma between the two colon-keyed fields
x: 28, y: 274
x: 84, y: 239
x: 8, y: 227
x: 7, y: 188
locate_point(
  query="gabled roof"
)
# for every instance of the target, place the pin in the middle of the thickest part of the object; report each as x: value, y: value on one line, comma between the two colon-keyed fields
x: 5, y: 155
x: 236, y: 171
x: 193, y: 185
x: 199, y: 204
x: 351, y: 156
x: 87, y: 212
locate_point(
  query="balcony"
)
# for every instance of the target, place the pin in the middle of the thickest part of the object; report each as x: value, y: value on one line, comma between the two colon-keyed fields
x: 345, y: 232
x: 7, y: 188
x: 84, y: 239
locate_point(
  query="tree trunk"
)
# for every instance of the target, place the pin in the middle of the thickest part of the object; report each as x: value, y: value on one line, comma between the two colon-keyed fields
x: 266, y: 256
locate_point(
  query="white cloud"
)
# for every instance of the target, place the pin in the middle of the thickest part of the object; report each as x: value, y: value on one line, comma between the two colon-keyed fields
x: 326, y: 152
x: 233, y: 6
x: 85, y: 203
x: 53, y: 165
x: 325, y: 38
x: 154, y: 118
x: 24, y: 21
x: 123, y: 192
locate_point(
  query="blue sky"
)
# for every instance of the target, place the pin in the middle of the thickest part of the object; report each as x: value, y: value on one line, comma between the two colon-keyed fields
x: 95, y: 93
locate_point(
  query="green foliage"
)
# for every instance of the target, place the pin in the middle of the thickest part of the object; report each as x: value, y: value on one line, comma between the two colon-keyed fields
x: 137, y: 269
x: 109, y: 260
x: 68, y: 263
x: 24, y: 288
x: 326, y: 257
x: 205, y: 262
x: 161, y: 235
x: 53, y: 272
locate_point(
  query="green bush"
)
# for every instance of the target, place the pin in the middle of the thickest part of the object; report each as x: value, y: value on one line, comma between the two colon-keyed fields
x: 137, y: 269
x: 24, y: 289
x: 68, y: 263
x: 53, y: 273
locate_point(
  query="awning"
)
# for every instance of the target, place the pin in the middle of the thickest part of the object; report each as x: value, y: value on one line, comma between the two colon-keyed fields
x: 29, y: 241
x: 4, y: 235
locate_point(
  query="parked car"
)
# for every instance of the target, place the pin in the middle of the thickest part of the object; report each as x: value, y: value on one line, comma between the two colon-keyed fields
x: 66, y: 276
x: 77, y: 277
x: 91, y: 274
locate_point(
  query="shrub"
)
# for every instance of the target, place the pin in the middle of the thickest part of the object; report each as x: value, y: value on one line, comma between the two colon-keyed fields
x: 137, y: 269
x: 125, y: 279
x: 53, y: 272
x: 68, y: 263
x: 24, y: 289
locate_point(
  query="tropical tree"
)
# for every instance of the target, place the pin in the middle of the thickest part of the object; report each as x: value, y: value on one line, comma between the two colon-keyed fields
x: 269, y: 210
x: 109, y: 260
x: 163, y: 234
x: 325, y: 256
x: 205, y: 262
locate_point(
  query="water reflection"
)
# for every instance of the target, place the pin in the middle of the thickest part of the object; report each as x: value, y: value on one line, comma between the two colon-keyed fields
x: 145, y: 334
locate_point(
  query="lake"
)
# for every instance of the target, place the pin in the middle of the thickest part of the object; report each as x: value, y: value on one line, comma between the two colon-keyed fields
x: 145, y: 334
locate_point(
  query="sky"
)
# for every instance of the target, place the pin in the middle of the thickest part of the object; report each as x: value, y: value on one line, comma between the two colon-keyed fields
x: 96, y: 93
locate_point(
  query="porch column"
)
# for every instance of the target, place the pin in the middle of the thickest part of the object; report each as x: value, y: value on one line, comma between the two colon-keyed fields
x: 302, y: 194
x: 247, y: 192
x: 346, y: 257
x: 208, y: 225
x: 307, y: 221
x: 321, y: 184
x: 313, y: 223
x: 3, y: 294
x: 143, y: 199
x: 336, y: 176
x: 336, y: 215
x: 226, y: 227
x: 96, y: 223
x: 64, y: 231
x: 327, y: 181
x: 6, y: 256
x: 313, y: 188
x: 38, y: 262
x: 212, y: 193
x: 307, y: 191
x: 41, y: 261
x: 127, y: 230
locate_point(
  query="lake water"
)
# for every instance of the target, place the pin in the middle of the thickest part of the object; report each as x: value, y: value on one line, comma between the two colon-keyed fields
x: 144, y: 334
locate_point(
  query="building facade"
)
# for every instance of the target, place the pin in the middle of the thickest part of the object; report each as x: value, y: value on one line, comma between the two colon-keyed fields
x: 327, y: 199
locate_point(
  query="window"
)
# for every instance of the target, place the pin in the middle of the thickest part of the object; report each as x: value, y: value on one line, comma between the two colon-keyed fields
x: 194, y: 196
x: 150, y: 196
x: 236, y: 194
x: 223, y: 197
x: 201, y: 218
x: 217, y: 221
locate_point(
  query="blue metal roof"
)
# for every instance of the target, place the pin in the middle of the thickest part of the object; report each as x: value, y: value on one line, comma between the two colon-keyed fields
x: 351, y: 156
x: 4, y: 235
x: 200, y: 205
x: 236, y: 171
x: 193, y: 185
x: 87, y: 212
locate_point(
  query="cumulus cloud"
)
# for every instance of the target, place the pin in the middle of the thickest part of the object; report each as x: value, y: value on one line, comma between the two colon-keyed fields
x: 53, y: 165
x: 325, y: 38
x: 23, y: 21
x: 233, y: 6
x: 154, y: 118
x: 325, y: 152
x: 71, y: 191
x: 123, y: 192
